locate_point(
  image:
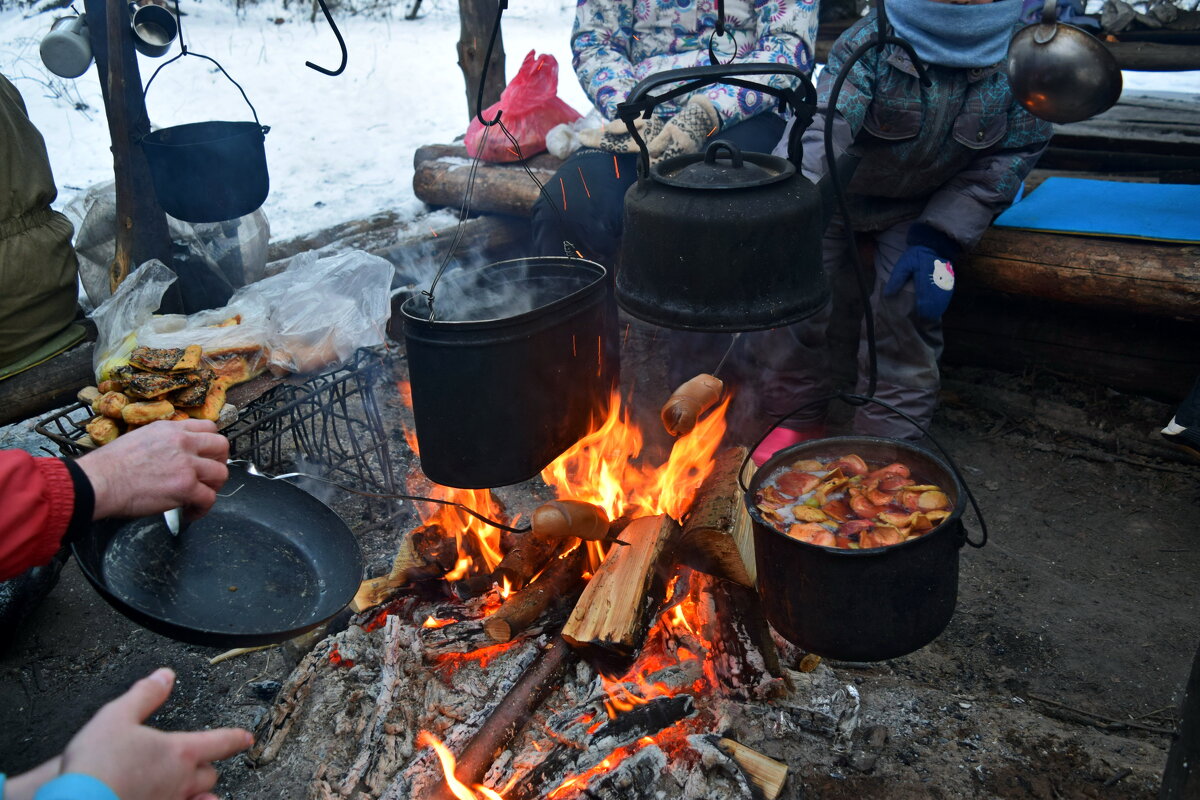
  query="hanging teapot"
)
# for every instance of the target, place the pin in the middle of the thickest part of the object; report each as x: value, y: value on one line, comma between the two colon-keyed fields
x: 724, y: 240
x: 1061, y: 73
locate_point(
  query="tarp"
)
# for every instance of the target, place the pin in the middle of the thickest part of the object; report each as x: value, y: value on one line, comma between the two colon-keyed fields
x: 1158, y: 211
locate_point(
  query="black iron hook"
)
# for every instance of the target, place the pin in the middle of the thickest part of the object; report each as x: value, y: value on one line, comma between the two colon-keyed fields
x: 487, y: 60
x: 341, y: 43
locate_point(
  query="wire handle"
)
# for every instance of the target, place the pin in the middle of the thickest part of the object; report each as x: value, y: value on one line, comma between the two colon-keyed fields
x: 186, y: 52
x: 253, y: 470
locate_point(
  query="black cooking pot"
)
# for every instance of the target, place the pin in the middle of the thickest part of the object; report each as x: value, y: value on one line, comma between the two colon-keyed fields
x: 208, y: 171
x: 515, y: 364
x: 267, y: 563
x: 860, y: 605
x: 723, y: 240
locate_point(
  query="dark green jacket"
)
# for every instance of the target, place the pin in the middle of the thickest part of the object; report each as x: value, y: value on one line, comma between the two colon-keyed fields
x: 37, y: 262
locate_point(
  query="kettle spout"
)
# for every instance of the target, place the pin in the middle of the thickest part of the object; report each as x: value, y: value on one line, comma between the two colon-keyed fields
x: 847, y: 164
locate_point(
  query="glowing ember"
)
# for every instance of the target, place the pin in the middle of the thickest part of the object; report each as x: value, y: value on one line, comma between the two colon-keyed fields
x: 433, y: 622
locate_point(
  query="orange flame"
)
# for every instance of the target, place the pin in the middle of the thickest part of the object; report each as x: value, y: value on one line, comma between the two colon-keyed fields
x: 601, y: 468
x: 433, y: 622
x: 457, y: 787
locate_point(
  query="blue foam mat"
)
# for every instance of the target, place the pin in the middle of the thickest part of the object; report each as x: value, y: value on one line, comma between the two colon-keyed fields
x: 1159, y: 211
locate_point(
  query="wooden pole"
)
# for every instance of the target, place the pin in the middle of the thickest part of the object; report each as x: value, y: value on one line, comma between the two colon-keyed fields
x: 476, y: 18
x: 142, y: 232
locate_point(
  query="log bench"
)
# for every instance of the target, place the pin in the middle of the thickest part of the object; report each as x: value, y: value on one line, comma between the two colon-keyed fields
x: 1120, y: 311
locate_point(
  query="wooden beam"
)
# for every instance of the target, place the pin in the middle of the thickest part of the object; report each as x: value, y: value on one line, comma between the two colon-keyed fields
x: 1123, y: 275
x: 442, y: 180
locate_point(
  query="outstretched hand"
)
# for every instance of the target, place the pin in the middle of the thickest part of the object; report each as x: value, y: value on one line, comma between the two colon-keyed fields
x: 141, y: 763
x: 161, y: 466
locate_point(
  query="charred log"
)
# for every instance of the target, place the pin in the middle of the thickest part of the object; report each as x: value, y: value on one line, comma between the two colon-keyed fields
x: 561, y: 579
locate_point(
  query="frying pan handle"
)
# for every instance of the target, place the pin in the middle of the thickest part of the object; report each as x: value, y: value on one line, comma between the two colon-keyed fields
x: 802, y: 101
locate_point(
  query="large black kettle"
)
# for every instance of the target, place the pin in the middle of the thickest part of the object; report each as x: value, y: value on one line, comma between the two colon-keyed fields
x: 723, y: 240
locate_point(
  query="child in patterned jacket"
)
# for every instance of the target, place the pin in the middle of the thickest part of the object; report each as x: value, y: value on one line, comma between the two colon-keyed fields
x: 938, y: 164
x: 617, y: 43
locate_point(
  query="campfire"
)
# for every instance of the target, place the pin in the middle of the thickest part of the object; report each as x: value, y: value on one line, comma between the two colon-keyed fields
x: 492, y: 663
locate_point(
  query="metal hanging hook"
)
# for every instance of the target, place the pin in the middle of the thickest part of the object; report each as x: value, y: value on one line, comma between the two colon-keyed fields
x: 341, y: 43
x: 487, y: 60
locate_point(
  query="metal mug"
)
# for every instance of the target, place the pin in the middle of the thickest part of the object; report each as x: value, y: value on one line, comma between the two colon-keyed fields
x: 154, y: 29
x: 66, y: 50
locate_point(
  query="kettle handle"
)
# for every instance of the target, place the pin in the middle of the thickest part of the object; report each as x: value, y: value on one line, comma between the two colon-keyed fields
x: 802, y: 101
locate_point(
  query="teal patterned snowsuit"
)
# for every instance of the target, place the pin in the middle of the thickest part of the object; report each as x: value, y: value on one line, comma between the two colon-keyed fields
x: 952, y: 155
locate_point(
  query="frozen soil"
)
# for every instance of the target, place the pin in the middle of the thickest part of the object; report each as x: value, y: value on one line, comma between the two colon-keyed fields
x: 1059, y: 676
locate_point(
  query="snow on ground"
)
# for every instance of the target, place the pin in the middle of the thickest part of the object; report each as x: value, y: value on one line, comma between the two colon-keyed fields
x: 340, y: 148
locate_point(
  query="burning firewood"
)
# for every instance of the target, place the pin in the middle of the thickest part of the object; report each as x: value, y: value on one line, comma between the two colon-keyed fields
x: 717, y: 533
x: 522, y: 607
x: 374, y: 591
x: 764, y: 772
x: 509, y: 716
x: 612, y: 614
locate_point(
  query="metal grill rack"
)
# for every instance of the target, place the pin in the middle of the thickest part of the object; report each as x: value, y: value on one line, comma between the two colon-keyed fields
x: 328, y: 425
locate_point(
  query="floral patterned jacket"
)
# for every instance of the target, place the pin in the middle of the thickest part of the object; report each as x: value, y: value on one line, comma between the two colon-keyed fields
x: 952, y: 155
x: 617, y: 43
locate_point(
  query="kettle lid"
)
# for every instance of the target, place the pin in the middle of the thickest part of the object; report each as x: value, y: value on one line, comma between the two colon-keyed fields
x: 731, y: 169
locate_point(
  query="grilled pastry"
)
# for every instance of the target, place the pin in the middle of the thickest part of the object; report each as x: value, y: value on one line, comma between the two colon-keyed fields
x: 156, y: 359
x: 214, y: 401
x: 236, y: 365
x: 103, y: 430
x: 110, y: 404
x: 142, y: 413
x: 149, y: 385
x: 189, y: 360
x: 192, y: 396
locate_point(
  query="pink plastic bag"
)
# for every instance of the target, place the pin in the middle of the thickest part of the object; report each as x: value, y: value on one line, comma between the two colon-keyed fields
x: 531, y: 108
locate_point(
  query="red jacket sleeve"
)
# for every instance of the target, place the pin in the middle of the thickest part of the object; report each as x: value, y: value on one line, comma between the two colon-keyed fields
x: 37, y: 500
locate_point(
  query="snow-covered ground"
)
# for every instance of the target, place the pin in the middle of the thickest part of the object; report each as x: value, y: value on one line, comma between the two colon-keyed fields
x: 341, y: 147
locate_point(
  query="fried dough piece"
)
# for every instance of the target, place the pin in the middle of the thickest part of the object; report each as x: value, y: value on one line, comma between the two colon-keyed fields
x: 103, y: 430
x: 149, y: 385
x: 142, y: 413
x: 236, y: 319
x: 214, y: 401
x: 190, y: 359
x: 236, y: 365
x: 192, y: 396
x: 111, y: 386
x: 110, y: 404
x: 156, y: 359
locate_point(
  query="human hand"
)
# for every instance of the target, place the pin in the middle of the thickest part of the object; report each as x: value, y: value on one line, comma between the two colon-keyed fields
x: 615, y: 137
x: 927, y: 263
x: 141, y: 763
x: 163, y: 465
x: 687, y: 131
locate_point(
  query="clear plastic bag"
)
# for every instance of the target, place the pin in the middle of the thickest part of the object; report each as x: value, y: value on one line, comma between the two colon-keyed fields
x: 313, y: 315
x: 234, y: 251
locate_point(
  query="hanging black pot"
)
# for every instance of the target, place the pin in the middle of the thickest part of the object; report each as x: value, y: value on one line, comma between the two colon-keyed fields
x: 723, y: 240
x: 208, y: 171
x: 860, y: 605
x: 512, y: 368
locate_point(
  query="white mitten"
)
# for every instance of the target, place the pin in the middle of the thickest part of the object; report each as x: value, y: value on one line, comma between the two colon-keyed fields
x: 615, y: 137
x: 687, y: 130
